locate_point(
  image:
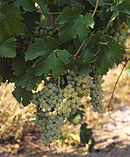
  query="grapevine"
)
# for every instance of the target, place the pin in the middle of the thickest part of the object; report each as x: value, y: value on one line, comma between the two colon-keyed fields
x: 70, y: 45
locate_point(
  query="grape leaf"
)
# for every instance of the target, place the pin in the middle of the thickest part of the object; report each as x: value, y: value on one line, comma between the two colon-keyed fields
x: 83, y: 68
x: 5, y: 31
x: 8, y: 48
x: 124, y: 7
x: 10, y: 21
x: 43, y: 5
x: 19, y: 66
x: 128, y: 21
x: 22, y: 95
x: 104, y: 60
x: 52, y: 62
x: 105, y: 52
x: 85, y: 133
x: 63, y: 55
x: 76, y: 117
x: 89, y: 56
x: 13, y: 18
x: 93, y: 2
x: 5, y: 69
x: 30, y: 81
x: 86, y: 136
x: 108, y: 55
x: 27, y: 5
x: 30, y: 20
x: 113, y: 17
x: 40, y: 48
x: 75, y: 24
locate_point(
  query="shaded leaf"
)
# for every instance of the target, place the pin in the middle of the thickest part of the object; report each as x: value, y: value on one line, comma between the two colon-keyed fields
x: 124, y: 7
x: 31, y: 81
x: 30, y: 20
x: 113, y: 17
x: 13, y: 18
x: 8, y: 48
x: 19, y: 65
x: 5, y: 69
x: 22, y: 95
x: 27, y: 5
x: 83, y: 69
x: 86, y: 137
x: 28, y: 81
x: 10, y: 22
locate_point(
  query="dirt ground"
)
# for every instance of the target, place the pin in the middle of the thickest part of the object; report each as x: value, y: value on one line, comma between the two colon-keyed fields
x: 112, y: 134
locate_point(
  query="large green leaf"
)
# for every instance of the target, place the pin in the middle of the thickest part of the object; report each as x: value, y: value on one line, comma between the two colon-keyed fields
x: 8, y: 48
x: 104, y: 52
x: 10, y: 21
x: 75, y: 24
x: 22, y: 95
x: 27, y: 5
x: 40, y: 48
x: 13, y: 18
x: 108, y: 55
x: 116, y: 50
x: 52, y: 62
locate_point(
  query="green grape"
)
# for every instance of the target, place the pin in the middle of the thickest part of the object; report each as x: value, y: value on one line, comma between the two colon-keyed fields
x: 121, y: 33
x: 55, y: 105
x: 96, y: 93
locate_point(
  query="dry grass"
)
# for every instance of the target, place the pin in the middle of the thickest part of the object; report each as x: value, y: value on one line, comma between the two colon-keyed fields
x: 12, y: 114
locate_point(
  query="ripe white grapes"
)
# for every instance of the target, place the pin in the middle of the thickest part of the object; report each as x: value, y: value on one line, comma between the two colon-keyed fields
x: 96, y: 93
x: 55, y: 104
x: 121, y: 32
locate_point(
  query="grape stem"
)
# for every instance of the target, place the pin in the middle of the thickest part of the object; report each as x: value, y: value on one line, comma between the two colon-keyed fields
x: 79, y: 49
x: 54, y: 13
x: 97, y: 2
x: 112, y: 95
x: 59, y: 82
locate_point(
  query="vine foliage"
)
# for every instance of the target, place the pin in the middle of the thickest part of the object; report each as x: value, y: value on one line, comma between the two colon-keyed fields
x: 42, y: 38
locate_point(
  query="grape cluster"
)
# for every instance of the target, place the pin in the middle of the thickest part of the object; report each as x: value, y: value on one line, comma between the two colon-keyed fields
x: 96, y: 93
x: 120, y: 33
x: 42, y: 31
x: 54, y: 104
